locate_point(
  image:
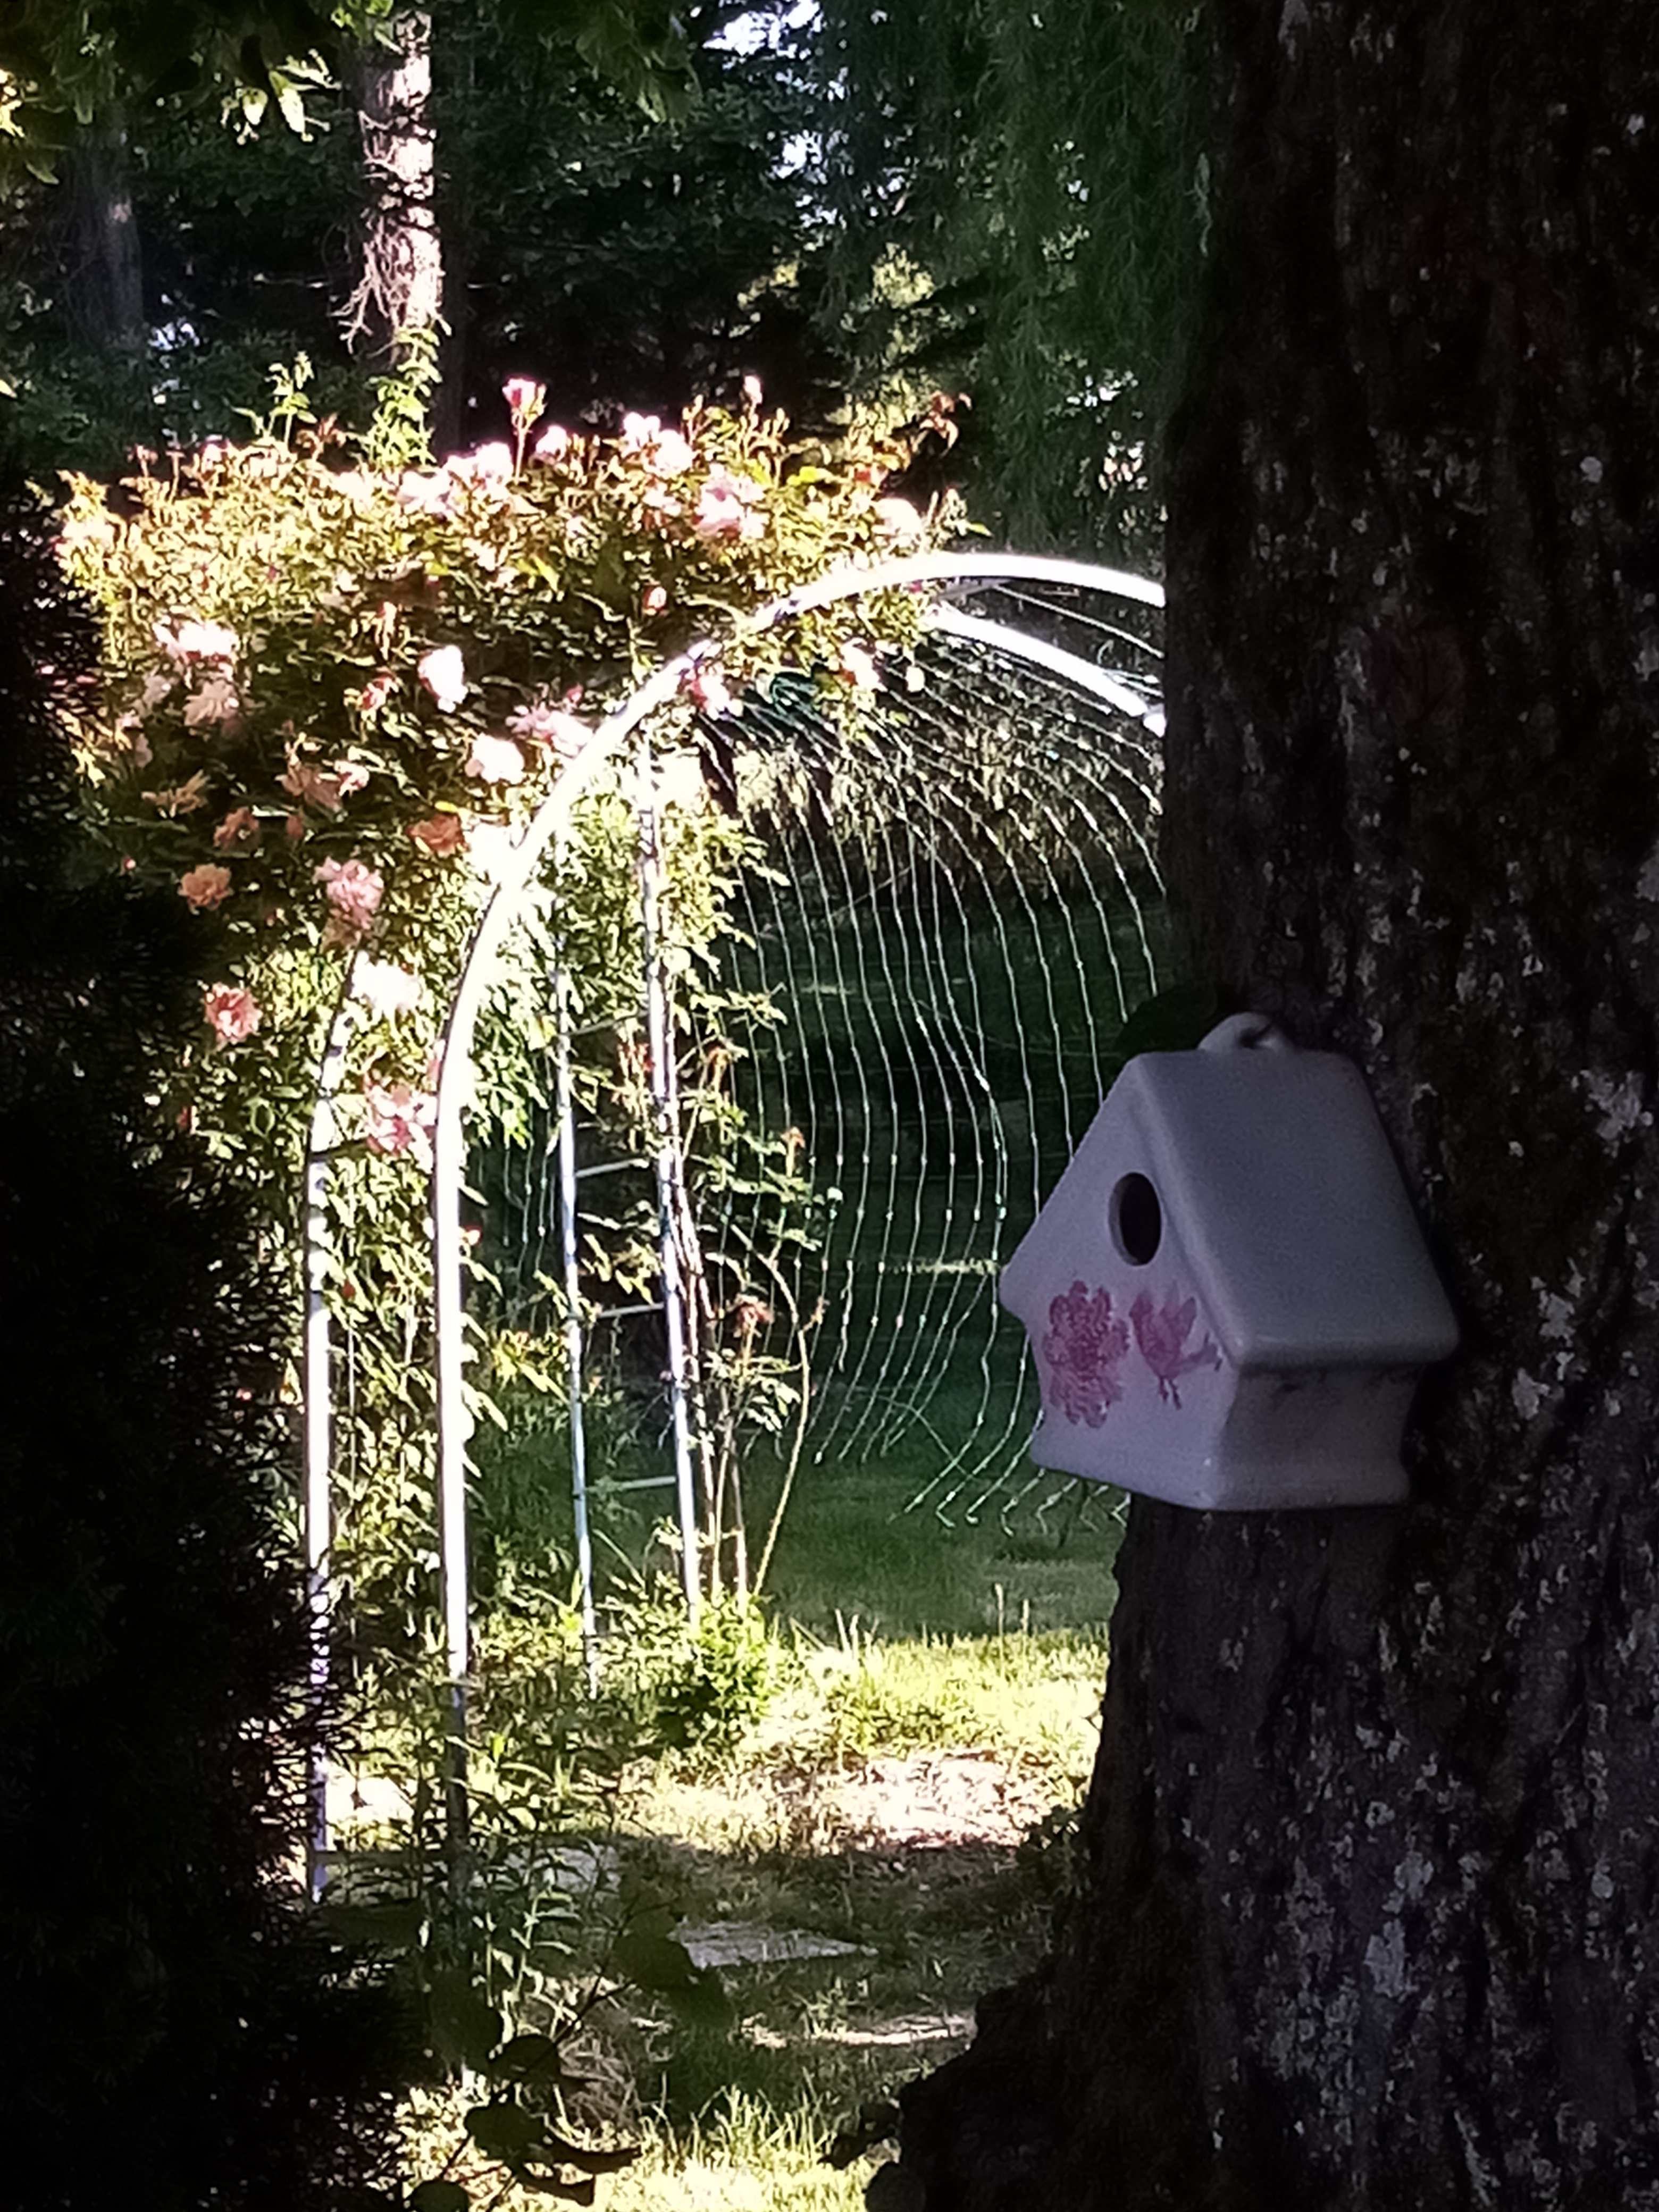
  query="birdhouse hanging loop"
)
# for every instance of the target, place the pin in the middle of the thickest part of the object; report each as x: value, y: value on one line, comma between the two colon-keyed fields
x: 1227, y: 1296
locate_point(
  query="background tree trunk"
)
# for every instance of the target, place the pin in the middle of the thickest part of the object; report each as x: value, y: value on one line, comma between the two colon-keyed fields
x: 399, y: 292
x: 105, y: 272
x: 1366, y: 1915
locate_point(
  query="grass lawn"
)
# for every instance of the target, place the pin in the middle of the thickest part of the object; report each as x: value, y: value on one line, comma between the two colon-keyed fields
x: 891, y: 1831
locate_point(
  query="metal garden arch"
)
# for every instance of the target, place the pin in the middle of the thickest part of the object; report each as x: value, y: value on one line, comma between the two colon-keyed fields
x: 515, y: 881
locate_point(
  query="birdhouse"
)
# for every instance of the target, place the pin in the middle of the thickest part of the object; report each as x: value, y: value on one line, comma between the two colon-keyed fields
x: 1227, y: 1296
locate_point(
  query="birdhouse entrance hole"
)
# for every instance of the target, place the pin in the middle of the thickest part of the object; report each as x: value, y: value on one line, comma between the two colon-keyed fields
x: 1137, y: 1220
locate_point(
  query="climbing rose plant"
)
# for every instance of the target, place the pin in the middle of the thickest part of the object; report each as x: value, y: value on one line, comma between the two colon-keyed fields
x: 335, y: 689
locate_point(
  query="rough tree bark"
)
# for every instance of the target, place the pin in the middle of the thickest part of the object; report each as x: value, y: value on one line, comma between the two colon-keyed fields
x: 399, y: 290
x: 1367, y: 1912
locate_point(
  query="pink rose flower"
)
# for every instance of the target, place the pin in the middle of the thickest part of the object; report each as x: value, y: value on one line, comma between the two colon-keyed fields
x: 553, y: 444
x: 495, y: 760
x: 232, y: 1013
x: 525, y: 397
x: 444, y: 674
x: 216, y: 702
x: 399, y: 1119
x: 639, y: 431
x: 653, y: 599
x: 354, y: 895
x: 672, y: 455
x: 425, y: 491
x: 206, y: 886
x: 238, y: 832
x: 442, y: 835
x: 375, y: 692
x: 723, y: 508
x: 314, y: 786
x: 490, y: 465
x: 539, y: 724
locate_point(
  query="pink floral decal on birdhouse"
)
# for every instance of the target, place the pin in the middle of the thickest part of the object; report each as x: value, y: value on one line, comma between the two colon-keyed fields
x: 1161, y: 1334
x: 1083, y: 1348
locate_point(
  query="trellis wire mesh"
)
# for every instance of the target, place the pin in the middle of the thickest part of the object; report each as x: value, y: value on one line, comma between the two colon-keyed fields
x: 956, y: 906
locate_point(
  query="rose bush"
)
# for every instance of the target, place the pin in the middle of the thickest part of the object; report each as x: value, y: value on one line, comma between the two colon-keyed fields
x: 335, y: 688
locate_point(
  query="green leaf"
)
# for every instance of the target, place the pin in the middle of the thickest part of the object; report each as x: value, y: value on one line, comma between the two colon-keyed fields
x: 505, y: 2131
x: 439, y: 2196
x: 589, y: 2162
x: 653, y: 1962
x: 528, y: 2057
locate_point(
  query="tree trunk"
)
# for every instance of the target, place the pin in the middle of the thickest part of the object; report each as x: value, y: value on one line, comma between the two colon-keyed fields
x: 1366, y: 1910
x: 453, y: 425
x: 106, y: 290
x: 399, y: 293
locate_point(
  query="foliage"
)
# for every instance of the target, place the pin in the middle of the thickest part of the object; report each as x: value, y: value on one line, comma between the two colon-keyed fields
x: 632, y: 260
x: 502, y: 1971
x: 188, y: 2038
x: 63, y: 62
x: 1019, y: 202
x: 635, y: 265
x: 700, y: 1690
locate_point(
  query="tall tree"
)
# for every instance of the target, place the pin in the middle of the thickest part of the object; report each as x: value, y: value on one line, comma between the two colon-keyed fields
x: 106, y: 287
x: 622, y: 257
x: 1364, y: 1917
x: 399, y: 297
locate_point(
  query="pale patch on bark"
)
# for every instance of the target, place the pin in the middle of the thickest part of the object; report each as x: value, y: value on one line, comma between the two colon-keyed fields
x: 400, y: 287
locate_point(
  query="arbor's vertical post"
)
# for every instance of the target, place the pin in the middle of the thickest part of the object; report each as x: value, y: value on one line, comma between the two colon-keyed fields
x: 455, y: 1427
x: 317, y: 1509
x: 659, y: 1045
x: 318, y: 1383
x: 564, y: 1111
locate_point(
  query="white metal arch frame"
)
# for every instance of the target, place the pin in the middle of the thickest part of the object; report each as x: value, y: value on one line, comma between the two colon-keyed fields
x: 517, y: 875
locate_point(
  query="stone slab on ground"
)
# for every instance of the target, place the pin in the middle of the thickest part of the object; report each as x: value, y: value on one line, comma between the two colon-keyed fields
x: 724, y: 1943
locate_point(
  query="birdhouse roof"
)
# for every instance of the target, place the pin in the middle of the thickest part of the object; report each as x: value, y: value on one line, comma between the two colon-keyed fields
x: 1277, y: 1184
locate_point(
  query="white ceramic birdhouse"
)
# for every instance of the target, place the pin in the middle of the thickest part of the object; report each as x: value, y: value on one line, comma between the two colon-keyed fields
x: 1228, y: 1295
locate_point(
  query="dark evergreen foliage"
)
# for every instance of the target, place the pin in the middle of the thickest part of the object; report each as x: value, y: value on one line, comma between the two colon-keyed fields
x: 176, y: 2033
x: 1019, y: 206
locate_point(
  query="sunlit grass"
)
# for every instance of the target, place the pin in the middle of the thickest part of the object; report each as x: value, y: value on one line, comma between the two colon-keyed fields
x: 751, y: 2159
